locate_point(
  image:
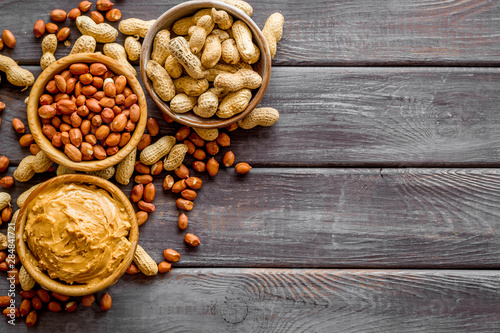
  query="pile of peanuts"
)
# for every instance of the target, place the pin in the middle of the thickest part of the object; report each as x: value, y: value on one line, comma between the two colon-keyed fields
x: 89, y: 111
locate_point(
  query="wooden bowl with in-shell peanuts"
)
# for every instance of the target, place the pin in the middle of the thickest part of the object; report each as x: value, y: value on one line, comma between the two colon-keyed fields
x: 185, y: 35
x: 74, y: 156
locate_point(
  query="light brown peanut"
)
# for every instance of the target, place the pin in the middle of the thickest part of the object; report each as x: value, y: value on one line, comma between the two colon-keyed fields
x: 180, y: 51
x: 240, y: 4
x: 191, y: 86
x: 222, y: 19
x: 182, y: 103
x: 162, y: 83
x: 107, y: 173
x: 144, y: 262
x: 84, y: 44
x: 133, y: 48
x: 259, y: 116
x: 273, y: 31
x: 125, y: 168
x: 208, y: 134
x: 160, y: 47
x: 175, y: 157
x: 243, y: 78
x: 153, y: 153
x: 203, y: 27
x: 135, y: 26
x: 102, y: 32
x: 16, y: 75
x: 173, y: 68
x: 208, y: 103
x: 234, y: 103
x: 211, y: 52
x: 242, y: 35
x: 229, y: 51
x: 117, y: 52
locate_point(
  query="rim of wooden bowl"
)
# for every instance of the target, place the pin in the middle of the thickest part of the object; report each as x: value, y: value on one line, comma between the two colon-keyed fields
x: 165, y: 21
x: 41, y: 277
x: 45, y: 144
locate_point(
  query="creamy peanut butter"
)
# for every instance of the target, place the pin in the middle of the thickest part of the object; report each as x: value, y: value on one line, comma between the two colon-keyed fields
x: 78, y: 233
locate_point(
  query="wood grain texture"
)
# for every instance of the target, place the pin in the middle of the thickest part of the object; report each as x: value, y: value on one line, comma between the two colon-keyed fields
x: 285, y: 217
x: 257, y: 300
x: 324, y: 32
x: 354, y: 117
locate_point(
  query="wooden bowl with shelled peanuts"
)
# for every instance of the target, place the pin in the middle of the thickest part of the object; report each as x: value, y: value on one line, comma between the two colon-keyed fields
x: 35, y: 122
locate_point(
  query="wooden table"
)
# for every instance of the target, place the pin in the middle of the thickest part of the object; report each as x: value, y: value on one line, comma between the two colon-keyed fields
x: 372, y: 205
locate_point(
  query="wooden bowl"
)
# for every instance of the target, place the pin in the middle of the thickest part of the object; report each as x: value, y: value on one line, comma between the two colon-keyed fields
x: 165, y: 21
x: 35, y: 125
x: 29, y: 261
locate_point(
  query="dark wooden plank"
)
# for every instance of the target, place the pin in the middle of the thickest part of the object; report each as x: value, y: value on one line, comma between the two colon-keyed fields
x: 242, y: 300
x: 355, y: 117
x: 283, y: 217
x: 323, y: 32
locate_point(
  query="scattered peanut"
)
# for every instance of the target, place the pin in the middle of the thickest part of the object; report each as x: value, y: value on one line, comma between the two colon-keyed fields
x: 228, y: 159
x: 162, y: 83
x: 49, y: 46
x: 125, y: 168
x: 106, y: 300
x: 8, y: 39
x: 133, y: 48
x: 7, y: 182
x: 144, y: 262
x: 259, y: 116
x: 242, y: 168
x: 175, y: 157
x: 183, y: 221
x: 16, y: 75
x: 273, y: 31
x: 171, y: 255
x: 102, y: 32
x: 39, y: 28
x: 192, y: 240
x: 84, y: 44
x: 153, y: 153
x: 135, y: 26
x: 212, y: 167
x: 27, y: 282
x: 164, y: 267
x: 117, y: 52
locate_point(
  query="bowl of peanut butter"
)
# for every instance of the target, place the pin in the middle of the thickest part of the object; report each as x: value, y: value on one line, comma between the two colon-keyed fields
x: 76, y: 234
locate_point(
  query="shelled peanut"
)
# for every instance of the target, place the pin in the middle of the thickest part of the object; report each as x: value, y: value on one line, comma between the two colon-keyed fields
x: 88, y: 111
x: 216, y: 51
